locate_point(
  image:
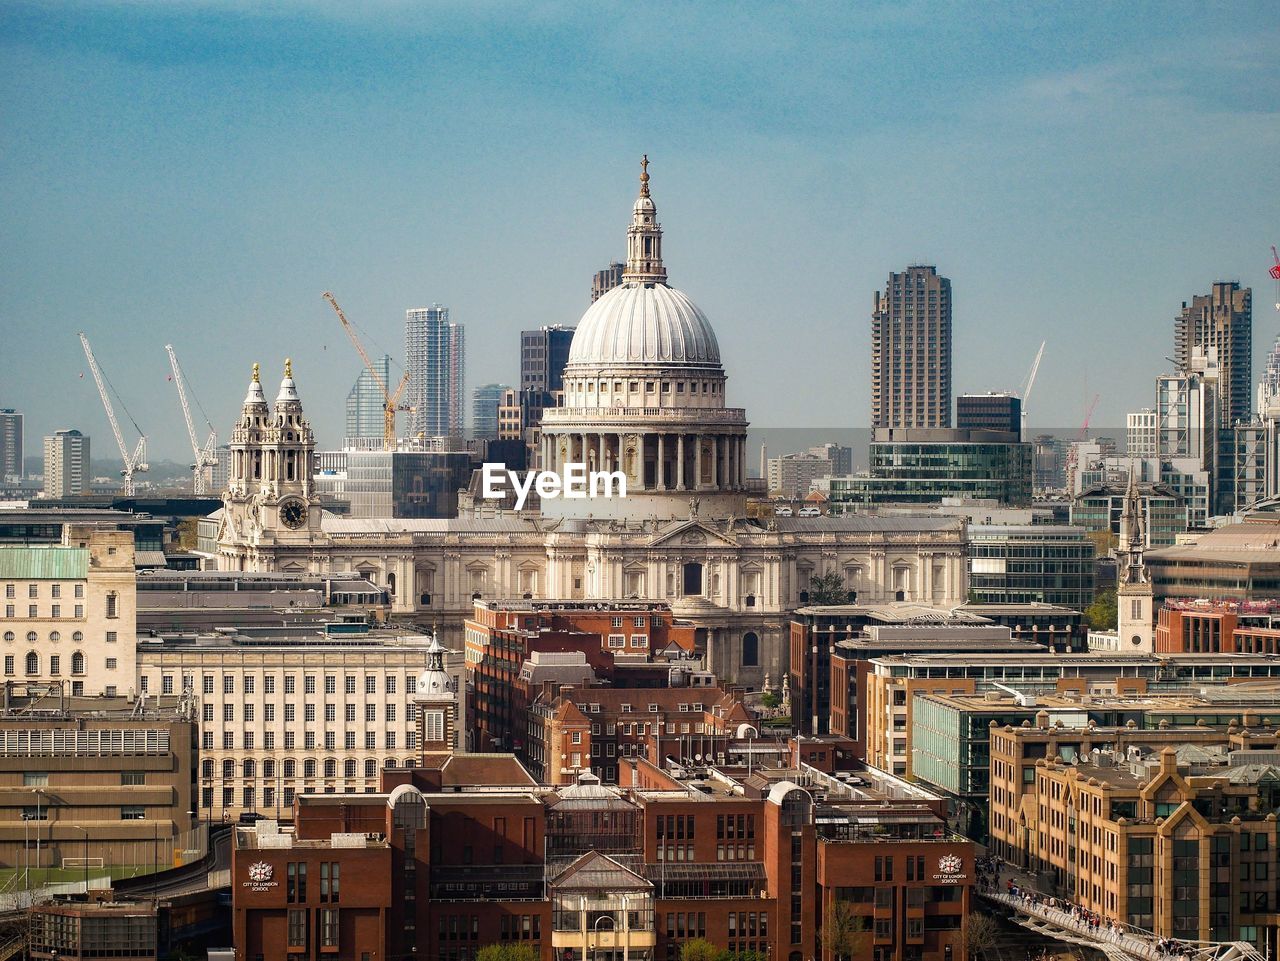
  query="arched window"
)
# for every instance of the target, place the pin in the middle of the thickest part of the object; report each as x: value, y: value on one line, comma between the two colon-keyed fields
x: 370, y: 768
x: 309, y: 767
x: 290, y: 766
x: 750, y: 649
x: 390, y: 762
x: 77, y: 663
x: 55, y: 636
x: 33, y: 662
x: 228, y: 769
x: 206, y: 769
x: 77, y: 636
x: 330, y: 767
x: 349, y: 768
x: 250, y: 768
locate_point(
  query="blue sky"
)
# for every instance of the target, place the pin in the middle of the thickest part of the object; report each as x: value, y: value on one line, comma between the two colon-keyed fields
x: 198, y: 173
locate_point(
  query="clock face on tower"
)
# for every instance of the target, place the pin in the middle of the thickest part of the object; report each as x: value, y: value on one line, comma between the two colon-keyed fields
x: 293, y: 514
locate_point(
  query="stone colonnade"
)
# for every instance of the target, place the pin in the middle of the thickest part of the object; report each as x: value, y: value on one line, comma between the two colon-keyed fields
x: 654, y: 460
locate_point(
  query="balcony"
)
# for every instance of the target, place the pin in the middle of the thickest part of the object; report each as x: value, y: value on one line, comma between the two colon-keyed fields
x: 555, y: 416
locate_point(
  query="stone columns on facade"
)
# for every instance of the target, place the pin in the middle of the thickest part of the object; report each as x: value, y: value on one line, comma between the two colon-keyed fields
x: 662, y: 456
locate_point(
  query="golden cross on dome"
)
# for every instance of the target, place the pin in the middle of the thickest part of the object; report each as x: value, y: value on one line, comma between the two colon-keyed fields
x: 255, y: 373
x: 644, y: 176
x: 288, y: 367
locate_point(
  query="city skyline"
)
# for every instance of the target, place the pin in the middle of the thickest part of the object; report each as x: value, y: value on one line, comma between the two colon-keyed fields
x: 1098, y: 249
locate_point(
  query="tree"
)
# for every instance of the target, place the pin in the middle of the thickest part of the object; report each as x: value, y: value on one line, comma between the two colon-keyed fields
x: 699, y: 949
x: 770, y: 700
x: 1101, y: 614
x: 981, y: 934
x: 507, y: 952
x: 827, y: 588
x: 842, y: 932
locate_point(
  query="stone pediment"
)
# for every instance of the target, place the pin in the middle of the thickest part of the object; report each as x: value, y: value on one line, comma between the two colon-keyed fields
x: 693, y: 533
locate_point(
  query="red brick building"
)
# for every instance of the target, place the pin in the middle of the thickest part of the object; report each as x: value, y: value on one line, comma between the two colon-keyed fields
x: 577, y: 729
x: 618, y: 639
x: 1226, y: 627
x: 447, y: 861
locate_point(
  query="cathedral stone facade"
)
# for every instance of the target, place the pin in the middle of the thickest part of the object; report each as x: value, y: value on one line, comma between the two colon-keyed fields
x: 644, y: 396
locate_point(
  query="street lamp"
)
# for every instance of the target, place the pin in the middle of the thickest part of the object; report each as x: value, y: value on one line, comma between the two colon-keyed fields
x: 85, y: 832
x: 595, y: 925
x: 39, y: 793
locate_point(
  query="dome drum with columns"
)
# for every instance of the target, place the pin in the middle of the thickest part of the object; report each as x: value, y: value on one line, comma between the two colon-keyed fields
x: 644, y: 393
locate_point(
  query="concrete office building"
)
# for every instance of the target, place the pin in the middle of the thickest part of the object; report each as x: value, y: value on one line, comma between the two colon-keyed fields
x: 293, y: 710
x: 543, y: 355
x: 69, y: 611
x: 1221, y: 319
x: 918, y: 466
x: 70, y: 763
x: 11, y: 445
x: 485, y: 401
x: 1141, y: 434
x: 1236, y: 562
x: 1022, y: 564
x: 1050, y: 463
x: 1164, y: 513
x: 66, y: 464
x: 365, y: 415
x: 911, y: 351
x: 435, y: 354
x: 989, y: 412
x: 605, y: 280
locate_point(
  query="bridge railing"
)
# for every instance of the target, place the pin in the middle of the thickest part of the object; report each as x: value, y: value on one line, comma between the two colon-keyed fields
x: 1134, y: 941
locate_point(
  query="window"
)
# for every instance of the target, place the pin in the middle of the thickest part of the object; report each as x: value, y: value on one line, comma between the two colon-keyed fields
x: 330, y: 768
x: 308, y: 684
x: 330, y: 684
x: 331, y: 712
x: 229, y: 684
x: 35, y: 779
x: 206, y: 684
x: 269, y: 684
x: 228, y: 712
x: 370, y: 768
x: 248, y: 684
x: 33, y: 662
x: 371, y: 684
x: 79, y: 591
x: 111, y: 637
x: 371, y: 712
x: 111, y: 664
x: 328, y: 927
x: 289, y: 684
x: 55, y: 610
x: 55, y: 664
x: 297, y: 927
x: 391, y: 713
x: 350, y: 683
x: 33, y: 590
x: 391, y: 684
x: 8, y: 664
x: 391, y: 740
x: 132, y: 812
x: 166, y: 680
x: 350, y: 712
x: 113, y: 605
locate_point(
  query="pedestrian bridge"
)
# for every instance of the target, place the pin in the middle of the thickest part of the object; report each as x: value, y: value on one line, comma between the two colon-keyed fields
x: 1125, y: 943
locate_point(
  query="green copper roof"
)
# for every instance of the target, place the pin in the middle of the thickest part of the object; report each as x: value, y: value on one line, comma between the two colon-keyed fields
x: 44, y: 563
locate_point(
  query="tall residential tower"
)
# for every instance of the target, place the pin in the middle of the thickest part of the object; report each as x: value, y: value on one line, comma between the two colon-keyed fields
x: 1223, y: 318
x: 66, y: 464
x: 435, y: 353
x: 911, y: 351
x: 10, y: 444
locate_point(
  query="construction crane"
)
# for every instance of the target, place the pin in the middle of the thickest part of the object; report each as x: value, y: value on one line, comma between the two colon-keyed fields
x: 135, y: 463
x: 1088, y: 416
x: 390, y: 401
x: 1275, y: 273
x: 206, y: 457
x: 1029, y: 383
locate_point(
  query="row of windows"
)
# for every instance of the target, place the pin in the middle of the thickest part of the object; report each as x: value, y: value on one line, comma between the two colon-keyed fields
x: 288, y: 768
x: 309, y: 741
x: 309, y: 682
x: 33, y: 611
x: 248, y: 712
x: 55, y: 637
x: 32, y: 664
x: 33, y: 591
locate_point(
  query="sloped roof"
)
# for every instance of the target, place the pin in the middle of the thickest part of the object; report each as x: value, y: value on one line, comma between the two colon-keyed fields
x: 45, y: 563
x: 472, y: 770
x: 596, y: 872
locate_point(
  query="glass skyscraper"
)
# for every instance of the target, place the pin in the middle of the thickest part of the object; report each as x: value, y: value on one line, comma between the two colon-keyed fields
x: 436, y: 358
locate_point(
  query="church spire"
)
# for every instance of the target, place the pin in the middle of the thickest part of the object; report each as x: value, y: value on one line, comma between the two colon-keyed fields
x: 644, y: 238
x: 1132, y: 534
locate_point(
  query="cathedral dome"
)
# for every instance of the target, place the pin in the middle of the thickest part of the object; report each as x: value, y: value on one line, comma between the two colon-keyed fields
x: 643, y: 322
x: 636, y: 324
